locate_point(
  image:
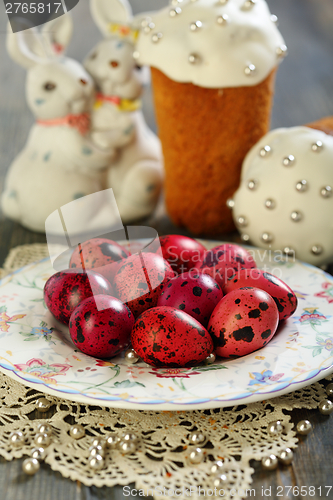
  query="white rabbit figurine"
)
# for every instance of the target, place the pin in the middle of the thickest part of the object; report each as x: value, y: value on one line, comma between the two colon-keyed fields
x: 136, y: 175
x: 59, y: 163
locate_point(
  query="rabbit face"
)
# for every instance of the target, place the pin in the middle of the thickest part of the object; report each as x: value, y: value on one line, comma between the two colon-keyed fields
x: 58, y: 88
x: 112, y: 66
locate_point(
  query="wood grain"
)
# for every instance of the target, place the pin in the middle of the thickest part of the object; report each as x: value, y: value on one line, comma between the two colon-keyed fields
x: 303, y: 94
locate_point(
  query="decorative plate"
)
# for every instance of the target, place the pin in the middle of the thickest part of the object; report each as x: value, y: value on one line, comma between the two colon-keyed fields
x: 38, y: 352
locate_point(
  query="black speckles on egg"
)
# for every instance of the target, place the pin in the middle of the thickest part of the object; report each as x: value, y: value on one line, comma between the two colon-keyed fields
x: 114, y: 342
x: 237, y: 301
x: 278, y: 304
x: 245, y: 334
x: 196, y: 310
x: 266, y: 334
x: 181, y: 307
x: 263, y: 306
x: 255, y: 313
x: 238, y: 316
x: 197, y: 291
x: 184, y: 284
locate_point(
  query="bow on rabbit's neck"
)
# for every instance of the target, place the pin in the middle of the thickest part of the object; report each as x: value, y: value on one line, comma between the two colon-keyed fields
x: 80, y: 122
x: 121, y: 103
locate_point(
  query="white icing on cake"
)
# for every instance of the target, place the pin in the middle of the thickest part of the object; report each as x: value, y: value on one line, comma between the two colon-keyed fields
x: 232, y: 44
x: 293, y: 213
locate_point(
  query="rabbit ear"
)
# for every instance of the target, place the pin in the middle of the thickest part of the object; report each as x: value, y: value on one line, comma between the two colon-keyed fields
x: 58, y: 33
x: 26, y: 47
x: 107, y: 12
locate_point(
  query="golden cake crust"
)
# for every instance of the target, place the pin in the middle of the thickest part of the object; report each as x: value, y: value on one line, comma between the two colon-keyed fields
x: 324, y: 124
x: 205, y: 134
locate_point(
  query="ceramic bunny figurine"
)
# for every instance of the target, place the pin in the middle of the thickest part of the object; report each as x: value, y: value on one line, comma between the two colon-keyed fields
x: 136, y: 176
x: 59, y: 162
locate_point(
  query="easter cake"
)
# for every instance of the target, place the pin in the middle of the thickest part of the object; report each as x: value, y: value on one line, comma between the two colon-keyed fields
x: 285, y: 198
x: 213, y: 66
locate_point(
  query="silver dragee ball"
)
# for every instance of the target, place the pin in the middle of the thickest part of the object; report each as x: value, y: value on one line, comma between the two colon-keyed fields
x: 77, y: 431
x: 325, y: 407
x: 96, y: 450
x: 196, y: 456
x: 217, y: 467
x: 38, y: 453
x: 43, y: 405
x: 127, y: 447
x: 45, y: 428
x: 210, y: 359
x: 131, y: 356
x: 30, y: 466
x: 16, y: 439
x: 329, y: 390
x: 197, y: 437
x: 129, y: 436
x: 286, y: 456
x: 96, y: 462
x: 270, y: 462
x: 220, y: 481
x: 112, y: 441
x: 304, y: 427
x: 275, y: 428
x: 42, y: 439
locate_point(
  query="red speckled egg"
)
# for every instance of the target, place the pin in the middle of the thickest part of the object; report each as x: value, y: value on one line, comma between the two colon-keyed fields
x: 164, y: 336
x: 139, y: 281
x: 196, y: 295
x: 99, y: 254
x: 284, y: 297
x: 222, y: 261
x: 66, y: 289
x: 181, y: 252
x: 101, y: 326
x: 243, y: 321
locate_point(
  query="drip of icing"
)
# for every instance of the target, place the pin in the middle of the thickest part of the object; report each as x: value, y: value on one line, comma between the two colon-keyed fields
x: 247, y: 38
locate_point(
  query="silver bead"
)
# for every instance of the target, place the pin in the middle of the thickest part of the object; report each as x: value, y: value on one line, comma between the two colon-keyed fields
x: 296, y: 216
x: 317, y: 250
x: 326, y: 192
x: 289, y: 251
x: 270, y: 462
x: 175, y: 12
x: 129, y: 437
x: 222, y: 20
x: 77, y: 431
x: 145, y: 22
x: 30, y: 466
x: 43, y: 405
x: 96, y: 450
x: 275, y: 428
x: 329, y: 390
x: 242, y: 221
x: 302, y: 186
x: 286, y: 456
x: 156, y: 37
x: 196, y: 26
x: 127, y: 447
x: 193, y: 59
x: 197, y: 438
x: 252, y: 184
x: 38, y: 453
x: 196, y: 456
x: 317, y: 146
x: 210, y: 359
x: 16, y: 439
x: 304, y: 427
x: 45, y: 428
x: 136, y: 55
x: 325, y: 407
x: 131, y: 356
x: 96, y: 441
x: 112, y: 441
x: 96, y: 463
x: 274, y: 19
x: 42, y: 439
x: 288, y: 161
x: 282, y: 51
x: 217, y: 467
x: 249, y: 70
x: 230, y: 203
x: 220, y: 481
x: 270, y: 204
x: 248, y: 4
x: 245, y: 238
x: 267, y: 237
x: 265, y: 151
x: 147, y: 29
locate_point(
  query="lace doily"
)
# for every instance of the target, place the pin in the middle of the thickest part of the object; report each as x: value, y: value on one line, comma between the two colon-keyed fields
x: 161, y: 461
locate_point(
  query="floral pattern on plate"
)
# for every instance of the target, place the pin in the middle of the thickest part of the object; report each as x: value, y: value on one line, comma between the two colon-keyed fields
x: 38, y: 351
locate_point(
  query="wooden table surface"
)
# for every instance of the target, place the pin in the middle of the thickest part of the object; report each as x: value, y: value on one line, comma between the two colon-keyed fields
x: 304, y: 91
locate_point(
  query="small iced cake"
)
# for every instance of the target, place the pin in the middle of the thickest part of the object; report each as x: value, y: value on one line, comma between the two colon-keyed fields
x: 213, y: 65
x: 285, y: 199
